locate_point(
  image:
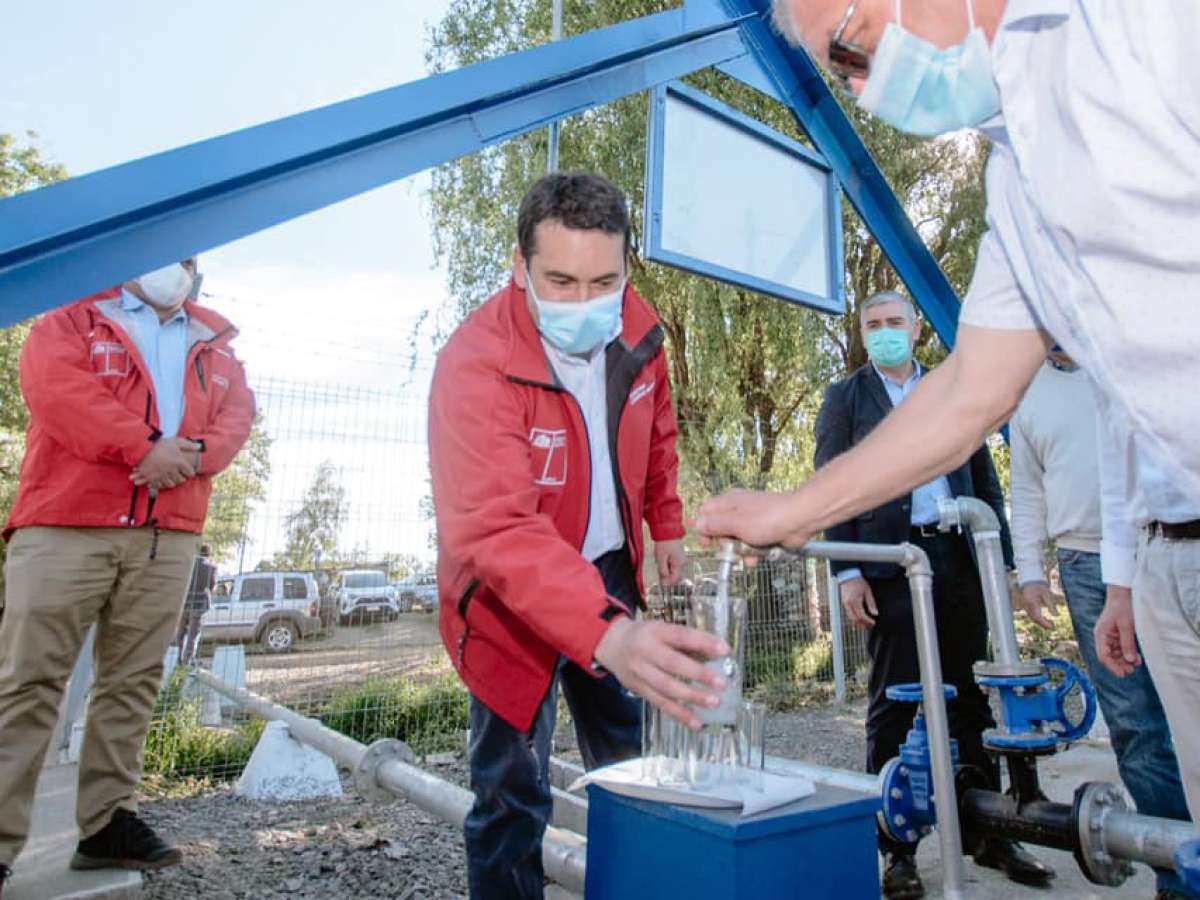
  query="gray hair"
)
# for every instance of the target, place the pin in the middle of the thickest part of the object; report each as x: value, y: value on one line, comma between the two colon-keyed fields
x: 889, y: 297
x: 785, y: 22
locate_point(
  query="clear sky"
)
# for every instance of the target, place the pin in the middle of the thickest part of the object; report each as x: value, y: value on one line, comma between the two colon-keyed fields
x: 327, y: 300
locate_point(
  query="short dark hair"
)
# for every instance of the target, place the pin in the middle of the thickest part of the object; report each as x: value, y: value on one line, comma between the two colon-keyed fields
x: 206, y: 549
x: 578, y: 200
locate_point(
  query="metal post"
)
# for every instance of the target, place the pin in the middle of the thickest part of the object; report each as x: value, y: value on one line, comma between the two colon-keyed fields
x: 839, y: 638
x: 937, y: 723
x: 920, y: 580
x: 985, y: 532
x: 78, y: 687
x: 555, y: 34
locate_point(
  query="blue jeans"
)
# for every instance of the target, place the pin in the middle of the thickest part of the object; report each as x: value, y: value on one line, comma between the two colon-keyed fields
x: 510, y: 769
x: 1141, y: 739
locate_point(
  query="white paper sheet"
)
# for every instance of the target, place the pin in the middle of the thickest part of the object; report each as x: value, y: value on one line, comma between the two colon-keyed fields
x: 627, y: 778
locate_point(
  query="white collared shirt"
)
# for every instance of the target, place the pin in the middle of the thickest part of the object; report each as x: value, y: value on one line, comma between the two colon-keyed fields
x: 1093, y: 193
x: 585, y: 377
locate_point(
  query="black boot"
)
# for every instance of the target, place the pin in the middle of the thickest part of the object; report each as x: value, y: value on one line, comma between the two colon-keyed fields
x: 1014, y: 861
x: 900, y: 878
x: 5, y: 871
x: 126, y: 842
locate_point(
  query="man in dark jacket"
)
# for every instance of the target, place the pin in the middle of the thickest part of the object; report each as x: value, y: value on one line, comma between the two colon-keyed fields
x: 876, y: 595
x: 196, y: 604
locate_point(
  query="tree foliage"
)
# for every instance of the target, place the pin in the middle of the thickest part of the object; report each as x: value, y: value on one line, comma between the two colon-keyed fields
x: 314, y: 527
x: 235, y: 491
x: 22, y: 168
x: 748, y: 372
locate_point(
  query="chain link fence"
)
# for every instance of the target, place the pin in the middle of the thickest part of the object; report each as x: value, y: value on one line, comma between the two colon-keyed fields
x: 326, y: 599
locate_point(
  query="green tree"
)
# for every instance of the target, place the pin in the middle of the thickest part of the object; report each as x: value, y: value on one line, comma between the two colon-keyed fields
x: 313, y: 529
x: 235, y: 491
x: 22, y: 168
x: 747, y: 372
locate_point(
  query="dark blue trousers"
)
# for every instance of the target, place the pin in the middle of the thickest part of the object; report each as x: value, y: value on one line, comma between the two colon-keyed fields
x: 510, y: 769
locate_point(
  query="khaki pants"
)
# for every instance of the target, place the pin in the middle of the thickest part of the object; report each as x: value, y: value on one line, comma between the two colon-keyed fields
x: 59, y: 581
x: 1166, y: 609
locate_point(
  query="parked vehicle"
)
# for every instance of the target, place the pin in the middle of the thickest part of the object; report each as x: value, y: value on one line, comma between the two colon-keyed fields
x: 419, y: 589
x: 276, y: 609
x: 364, y: 593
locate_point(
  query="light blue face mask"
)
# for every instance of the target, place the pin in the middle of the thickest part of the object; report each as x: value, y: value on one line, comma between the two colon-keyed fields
x: 578, y: 327
x: 926, y: 90
x: 889, y: 347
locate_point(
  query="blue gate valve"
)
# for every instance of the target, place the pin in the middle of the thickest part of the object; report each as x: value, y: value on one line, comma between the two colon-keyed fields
x: 909, y: 812
x: 1033, y: 713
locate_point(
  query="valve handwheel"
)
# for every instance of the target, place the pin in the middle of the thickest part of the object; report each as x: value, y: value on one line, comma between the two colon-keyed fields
x: 1065, y: 730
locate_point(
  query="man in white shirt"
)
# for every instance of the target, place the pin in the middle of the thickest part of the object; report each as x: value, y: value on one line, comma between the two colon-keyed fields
x: 1056, y: 496
x: 1094, y: 234
x: 1150, y: 557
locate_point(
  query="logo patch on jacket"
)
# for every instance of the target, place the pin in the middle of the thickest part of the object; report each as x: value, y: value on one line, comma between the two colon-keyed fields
x: 549, y: 449
x: 640, y: 391
x: 110, y: 359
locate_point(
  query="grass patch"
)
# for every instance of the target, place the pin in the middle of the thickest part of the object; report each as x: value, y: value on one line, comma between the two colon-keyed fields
x: 180, y: 748
x: 429, y: 715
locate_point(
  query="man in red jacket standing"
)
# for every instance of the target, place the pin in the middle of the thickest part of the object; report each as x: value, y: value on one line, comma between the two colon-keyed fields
x: 135, y: 402
x: 551, y: 439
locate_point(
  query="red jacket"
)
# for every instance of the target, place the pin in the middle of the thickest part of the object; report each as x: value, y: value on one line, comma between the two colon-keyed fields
x: 93, y: 417
x: 510, y: 460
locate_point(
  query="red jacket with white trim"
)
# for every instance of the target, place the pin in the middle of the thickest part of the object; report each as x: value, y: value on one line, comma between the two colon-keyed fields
x: 93, y: 418
x: 509, y: 455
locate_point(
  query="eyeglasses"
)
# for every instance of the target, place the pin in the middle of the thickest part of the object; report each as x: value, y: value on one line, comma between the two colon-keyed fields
x: 846, y: 59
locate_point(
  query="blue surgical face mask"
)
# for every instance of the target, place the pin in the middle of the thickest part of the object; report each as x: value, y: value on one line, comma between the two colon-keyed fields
x: 578, y: 327
x: 927, y: 90
x: 889, y: 347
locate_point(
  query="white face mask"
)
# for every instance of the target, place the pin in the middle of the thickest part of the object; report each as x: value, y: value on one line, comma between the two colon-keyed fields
x: 166, y: 288
x: 926, y: 90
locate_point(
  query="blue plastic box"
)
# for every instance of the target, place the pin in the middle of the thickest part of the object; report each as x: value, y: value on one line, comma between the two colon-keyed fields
x: 818, y: 847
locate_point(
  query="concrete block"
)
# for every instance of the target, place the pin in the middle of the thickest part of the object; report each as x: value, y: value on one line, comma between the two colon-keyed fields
x: 229, y: 664
x: 282, y: 769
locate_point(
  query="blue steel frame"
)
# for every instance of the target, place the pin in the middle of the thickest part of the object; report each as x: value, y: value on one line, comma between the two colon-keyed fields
x: 71, y: 239
x: 834, y: 298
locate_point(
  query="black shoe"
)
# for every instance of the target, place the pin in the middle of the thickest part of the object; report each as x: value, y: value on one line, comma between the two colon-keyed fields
x: 1014, y: 861
x: 126, y: 842
x: 900, y: 878
x: 5, y: 871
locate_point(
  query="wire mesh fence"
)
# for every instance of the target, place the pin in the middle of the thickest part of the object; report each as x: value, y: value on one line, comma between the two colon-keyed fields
x: 326, y: 599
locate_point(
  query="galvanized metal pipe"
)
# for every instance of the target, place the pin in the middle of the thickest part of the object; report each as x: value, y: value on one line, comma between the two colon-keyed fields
x: 989, y: 554
x: 839, y: 637
x: 565, y: 862
x: 343, y: 750
x: 1148, y: 839
x: 863, y: 782
x: 920, y: 581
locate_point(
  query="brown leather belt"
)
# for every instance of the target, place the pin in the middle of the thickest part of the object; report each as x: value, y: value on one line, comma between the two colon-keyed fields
x: 1176, y: 531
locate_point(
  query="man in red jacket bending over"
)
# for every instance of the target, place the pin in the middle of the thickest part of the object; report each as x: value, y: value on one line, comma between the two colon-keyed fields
x: 135, y: 402
x: 551, y: 439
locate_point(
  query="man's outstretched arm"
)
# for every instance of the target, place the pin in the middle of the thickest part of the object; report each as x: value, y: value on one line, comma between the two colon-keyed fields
x: 935, y: 430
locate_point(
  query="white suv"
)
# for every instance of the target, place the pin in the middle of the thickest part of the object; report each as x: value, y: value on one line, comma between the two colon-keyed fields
x: 366, y: 592
x: 276, y: 609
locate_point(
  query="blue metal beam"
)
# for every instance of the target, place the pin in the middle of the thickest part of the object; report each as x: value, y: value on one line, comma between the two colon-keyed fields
x: 69, y: 239
x: 798, y: 81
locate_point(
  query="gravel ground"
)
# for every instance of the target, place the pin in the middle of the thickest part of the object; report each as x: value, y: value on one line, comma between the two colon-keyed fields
x: 347, y: 848
x: 237, y: 849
